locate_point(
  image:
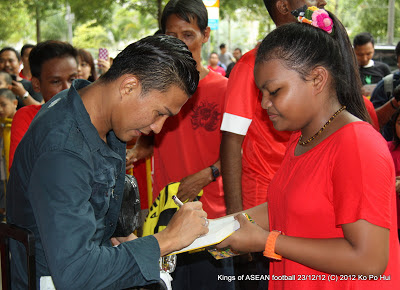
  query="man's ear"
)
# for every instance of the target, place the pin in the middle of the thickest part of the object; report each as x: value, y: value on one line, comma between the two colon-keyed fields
x: 15, y: 102
x: 319, y: 77
x: 130, y: 84
x: 283, y: 7
x: 206, y: 34
x: 36, y: 84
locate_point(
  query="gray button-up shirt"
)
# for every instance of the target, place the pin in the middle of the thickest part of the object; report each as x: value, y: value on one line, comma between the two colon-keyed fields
x: 65, y: 186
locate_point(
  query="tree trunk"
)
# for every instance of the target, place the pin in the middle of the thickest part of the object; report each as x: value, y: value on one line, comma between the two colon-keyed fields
x: 38, y: 36
x: 390, y: 29
x: 159, y: 7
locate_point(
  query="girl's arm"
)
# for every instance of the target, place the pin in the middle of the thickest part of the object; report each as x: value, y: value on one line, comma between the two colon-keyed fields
x: 363, y: 250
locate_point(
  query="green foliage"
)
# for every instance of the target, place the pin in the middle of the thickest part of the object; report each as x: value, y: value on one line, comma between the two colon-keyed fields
x: 90, y: 35
x: 121, y: 21
x: 14, y: 22
x: 99, y: 10
x: 55, y: 27
x: 132, y: 25
x: 252, y: 8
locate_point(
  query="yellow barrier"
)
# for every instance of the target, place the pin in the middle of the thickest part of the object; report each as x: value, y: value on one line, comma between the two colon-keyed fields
x: 149, y: 182
x: 6, y: 127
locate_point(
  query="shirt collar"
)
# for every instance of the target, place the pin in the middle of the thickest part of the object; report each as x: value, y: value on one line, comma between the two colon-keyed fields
x: 85, y: 124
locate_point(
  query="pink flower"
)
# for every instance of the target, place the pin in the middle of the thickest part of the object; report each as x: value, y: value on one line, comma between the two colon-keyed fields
x: 321, y: 19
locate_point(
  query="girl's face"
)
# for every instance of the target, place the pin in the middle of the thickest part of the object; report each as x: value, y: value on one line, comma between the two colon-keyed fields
x: 398, y: 126
x: 84, y: 70
x: 7, y: 107
x: 287, y: 98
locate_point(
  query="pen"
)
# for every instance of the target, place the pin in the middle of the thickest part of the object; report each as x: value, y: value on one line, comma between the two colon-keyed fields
x: 177, y: 201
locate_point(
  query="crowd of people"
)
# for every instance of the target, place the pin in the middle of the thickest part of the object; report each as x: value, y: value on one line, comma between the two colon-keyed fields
x: 289, y: 133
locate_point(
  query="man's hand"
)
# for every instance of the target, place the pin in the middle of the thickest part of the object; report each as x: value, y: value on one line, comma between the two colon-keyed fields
x: 191, y: 185
x: 119, y: 240
x: 185, y: 226
x: 18, y: 89
x: 142, y: 149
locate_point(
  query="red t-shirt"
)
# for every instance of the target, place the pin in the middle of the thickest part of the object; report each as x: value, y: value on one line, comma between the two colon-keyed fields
x: 347, y: 177
x: 396, y: 159
x: 372, y: 113
x: 190, y: 141
x: 20, y: 124
x: 219, y: 70
x: 23, y: 76
x: 263, y: 146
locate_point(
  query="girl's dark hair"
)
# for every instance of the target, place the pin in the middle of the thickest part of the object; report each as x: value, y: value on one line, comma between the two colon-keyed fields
x: 393, y: 120
x: 302, y: 47
x: 88, y: 58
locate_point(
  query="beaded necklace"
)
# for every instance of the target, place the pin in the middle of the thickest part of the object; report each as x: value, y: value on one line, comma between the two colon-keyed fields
x: 302, y: 143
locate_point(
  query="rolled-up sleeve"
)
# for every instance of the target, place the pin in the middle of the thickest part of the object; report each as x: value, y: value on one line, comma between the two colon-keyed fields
x: 59, y: 191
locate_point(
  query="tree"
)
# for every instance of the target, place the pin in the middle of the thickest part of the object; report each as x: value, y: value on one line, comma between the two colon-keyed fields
x: 91, y: 35
x: 149, y: 7
x: 13, y: 23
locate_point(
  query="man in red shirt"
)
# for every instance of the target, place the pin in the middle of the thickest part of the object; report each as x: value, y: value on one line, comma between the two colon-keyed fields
x: 187, y: 150
x: 54, y: 66
x: 246, y: 126
x: 213, y: 64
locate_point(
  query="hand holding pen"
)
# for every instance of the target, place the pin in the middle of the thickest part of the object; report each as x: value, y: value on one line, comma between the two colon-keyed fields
x: 180, y: 204
x: 186, y: 225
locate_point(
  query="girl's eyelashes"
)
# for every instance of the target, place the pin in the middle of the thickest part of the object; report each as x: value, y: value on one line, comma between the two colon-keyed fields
x: 274, y: 92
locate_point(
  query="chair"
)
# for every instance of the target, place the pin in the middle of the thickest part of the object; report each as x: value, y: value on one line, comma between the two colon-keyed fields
x: 25, y: 237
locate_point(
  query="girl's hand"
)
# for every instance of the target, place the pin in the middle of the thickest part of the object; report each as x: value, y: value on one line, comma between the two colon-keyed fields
x: 250, y: 237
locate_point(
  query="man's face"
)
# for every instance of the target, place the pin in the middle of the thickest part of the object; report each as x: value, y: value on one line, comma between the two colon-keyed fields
x: 189, y: 33
x: 398, y: 61
x: 214, y: 59
x: 57, y: 75
x: 237, y: 54
x: 364, y: 53
x: 9, y: 62
x: 151, y: 111
x: 25, y: 57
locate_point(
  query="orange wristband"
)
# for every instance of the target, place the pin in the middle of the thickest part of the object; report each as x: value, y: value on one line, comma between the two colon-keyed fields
x: 270, y: 246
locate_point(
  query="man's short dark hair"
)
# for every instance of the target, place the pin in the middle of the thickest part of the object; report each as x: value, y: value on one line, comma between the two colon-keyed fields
x: 25, y: 47
x: 7, y: 94
x: 398, y: 49
x: 237, y: 48
x: 8, y: 48
x: 222, y: 46
x: 159, y: 62
x: 47, y: 50
x: 362, y: 39
x: 187, y: 10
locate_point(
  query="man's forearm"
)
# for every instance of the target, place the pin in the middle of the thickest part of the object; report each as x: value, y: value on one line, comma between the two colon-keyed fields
x: 231, y: 170
x: 386, y: 111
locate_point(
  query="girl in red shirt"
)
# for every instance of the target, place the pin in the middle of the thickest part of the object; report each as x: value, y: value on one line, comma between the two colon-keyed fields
x: 330, y: 219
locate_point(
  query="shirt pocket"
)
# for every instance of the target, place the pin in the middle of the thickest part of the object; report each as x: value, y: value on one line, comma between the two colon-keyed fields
x: 102, y: 192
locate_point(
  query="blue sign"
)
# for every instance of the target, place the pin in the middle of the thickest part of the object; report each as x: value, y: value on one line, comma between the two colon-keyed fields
x: 213, y: 23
